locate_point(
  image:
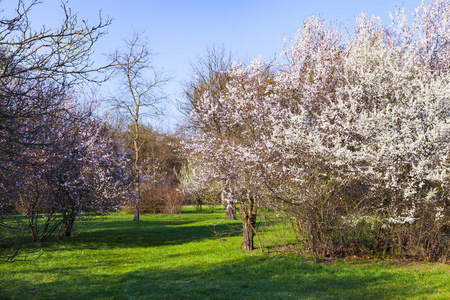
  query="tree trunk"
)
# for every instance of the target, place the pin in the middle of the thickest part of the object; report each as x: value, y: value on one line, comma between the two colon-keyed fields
x: 68, y: 221
x: 138, y: 174
x: 248, y: 212
x: 136, y: 206
x: 68, y: 229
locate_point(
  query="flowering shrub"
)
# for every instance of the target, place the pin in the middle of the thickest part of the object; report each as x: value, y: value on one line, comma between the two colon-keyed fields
x: 376, y: 109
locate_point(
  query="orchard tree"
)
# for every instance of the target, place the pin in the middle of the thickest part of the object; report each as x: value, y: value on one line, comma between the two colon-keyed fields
x: 85, y: 171
x: 371, y: 108
x: 140, y: 97
x: 209, y: 75
x: 350, y: 135
x: 230, y: 138
x: 38, y: 68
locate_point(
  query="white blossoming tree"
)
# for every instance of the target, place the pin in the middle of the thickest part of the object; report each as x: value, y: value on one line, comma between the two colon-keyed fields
x: 375, y: 108
x: 350, y: 135
x: 228, y: 138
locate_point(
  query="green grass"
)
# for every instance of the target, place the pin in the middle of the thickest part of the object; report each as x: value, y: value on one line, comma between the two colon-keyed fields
x: 180, y: 257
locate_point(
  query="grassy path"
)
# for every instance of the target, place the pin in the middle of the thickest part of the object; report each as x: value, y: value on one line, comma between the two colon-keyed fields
x: 178, y: 257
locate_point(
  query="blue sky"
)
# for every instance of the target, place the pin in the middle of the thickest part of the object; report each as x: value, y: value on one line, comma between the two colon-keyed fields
x: 180, y: 31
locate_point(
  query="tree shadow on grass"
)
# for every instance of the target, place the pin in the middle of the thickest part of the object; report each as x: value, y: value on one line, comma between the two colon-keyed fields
x: 144, y: 234
x: 119, y: 231
x: 245, y: 278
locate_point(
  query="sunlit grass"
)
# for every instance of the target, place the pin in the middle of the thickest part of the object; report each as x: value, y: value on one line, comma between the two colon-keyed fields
x: 183, y: 257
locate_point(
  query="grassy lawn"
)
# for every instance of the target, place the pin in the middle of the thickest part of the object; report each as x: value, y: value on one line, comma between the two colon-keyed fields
x: 180, y: 257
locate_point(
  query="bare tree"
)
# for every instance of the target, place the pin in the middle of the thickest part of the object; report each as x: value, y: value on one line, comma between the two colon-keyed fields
x: 141, y: 94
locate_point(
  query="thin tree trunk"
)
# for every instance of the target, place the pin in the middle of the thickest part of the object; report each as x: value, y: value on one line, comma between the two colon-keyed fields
x: 138, y: 175
x: 138, y: 197
x: 69, y: 226
x: 69, y: 220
